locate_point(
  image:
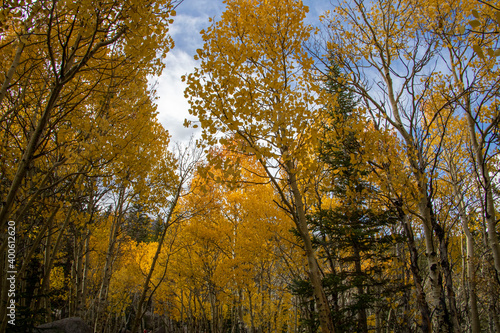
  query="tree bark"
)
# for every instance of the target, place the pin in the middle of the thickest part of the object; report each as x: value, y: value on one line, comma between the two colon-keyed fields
x: 108, y: 265
x: 28, y: 155
x: 314, y: 273
x: 425, y: 325
x: 471, y: 278
x: 416, y: 160
x: 489, y: 210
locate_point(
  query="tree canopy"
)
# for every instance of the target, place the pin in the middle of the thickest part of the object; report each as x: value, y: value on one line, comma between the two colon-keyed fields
x: 345, y: 178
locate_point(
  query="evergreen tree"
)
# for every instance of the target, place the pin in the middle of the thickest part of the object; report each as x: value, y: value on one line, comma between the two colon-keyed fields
x: 353, y: 237
x: 138, y: 225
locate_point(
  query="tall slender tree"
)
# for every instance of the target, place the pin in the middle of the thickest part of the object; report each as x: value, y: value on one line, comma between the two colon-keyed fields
x: 256, y: 83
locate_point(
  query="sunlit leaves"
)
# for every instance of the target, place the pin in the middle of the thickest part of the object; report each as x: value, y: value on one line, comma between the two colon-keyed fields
x: 231, y: 248
x: 253, y: 80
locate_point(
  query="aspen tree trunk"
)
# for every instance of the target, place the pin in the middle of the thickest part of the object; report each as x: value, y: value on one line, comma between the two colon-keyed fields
x: 471, y: 278
x: 416, y: 160
x: 241, y: 322
x: 471, y: 281
x: 50, y: 255
x: 27, y: 258
x: 362, y: 317
x: 489, y: 210
x: 252, y: 319
x: 77, y: 272
x: 72, y: 289
x: 442, y: 323
x: 299, y: 218
x: 22, y: 168
x: 213, y: 307
x: 27, y: 157
x: 72, y: 294
x: 314, y: 273
x: 425, y: 325
x: 145, y: 287
x: 81, y: 311
x: 114, y: 231
x: 404, y: 278
x: 46, y: 274
x: 15, y: 62
x: 488, y: 273
x: 445, y: 264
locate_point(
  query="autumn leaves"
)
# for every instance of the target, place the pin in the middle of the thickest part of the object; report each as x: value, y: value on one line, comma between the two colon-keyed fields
x: 77, y: 120
x: 413, y: 76
x: 385, y: 148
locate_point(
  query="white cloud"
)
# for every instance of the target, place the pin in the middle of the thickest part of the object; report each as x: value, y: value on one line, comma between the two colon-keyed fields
x: 192, y: 17
x: 172, y: 106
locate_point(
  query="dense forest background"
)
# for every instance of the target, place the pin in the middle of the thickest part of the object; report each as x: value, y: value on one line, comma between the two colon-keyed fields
x: 345, y: 179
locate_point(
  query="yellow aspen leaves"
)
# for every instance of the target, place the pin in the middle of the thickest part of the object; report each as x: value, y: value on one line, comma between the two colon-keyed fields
x: 254, y: 77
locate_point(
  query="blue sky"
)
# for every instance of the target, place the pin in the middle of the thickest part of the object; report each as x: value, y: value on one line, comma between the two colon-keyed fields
x: 192, y: 17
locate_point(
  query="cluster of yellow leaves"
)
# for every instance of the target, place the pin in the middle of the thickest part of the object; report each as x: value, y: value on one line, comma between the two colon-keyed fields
x: 107, y: 104
x: 255, y: 81
x: 230, y: 251
x: 77, y: 74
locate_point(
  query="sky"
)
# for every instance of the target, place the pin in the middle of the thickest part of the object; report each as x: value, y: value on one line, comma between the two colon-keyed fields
x: 193, y: 16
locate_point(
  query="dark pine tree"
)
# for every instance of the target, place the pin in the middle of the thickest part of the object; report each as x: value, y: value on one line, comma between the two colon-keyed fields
x: 354, y: 238
x: 138, y: 225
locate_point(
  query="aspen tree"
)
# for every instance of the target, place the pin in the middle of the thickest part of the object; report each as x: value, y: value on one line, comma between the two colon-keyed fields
x: 255, y: 82
x: 472, y: 87
x: 59, y: 58
x: 231, y: 262
x: 187, y: 160
x: 388, y: 58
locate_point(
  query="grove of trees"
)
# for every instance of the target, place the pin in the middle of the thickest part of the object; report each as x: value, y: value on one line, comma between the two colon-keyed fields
x: 346, y: 178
